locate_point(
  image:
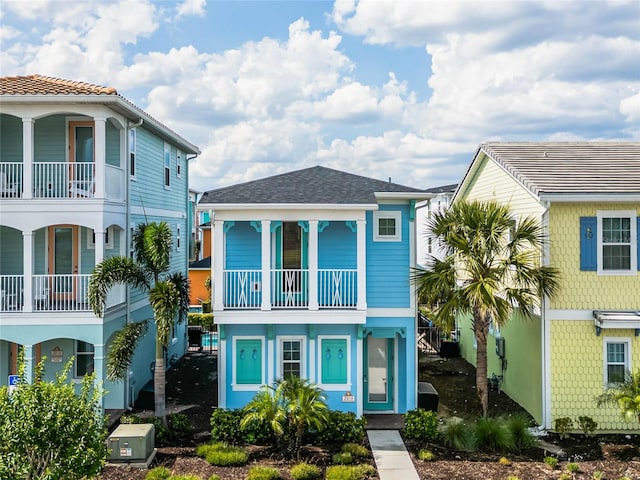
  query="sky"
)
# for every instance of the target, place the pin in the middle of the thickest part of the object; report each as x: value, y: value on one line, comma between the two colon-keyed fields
x: 398, y: 89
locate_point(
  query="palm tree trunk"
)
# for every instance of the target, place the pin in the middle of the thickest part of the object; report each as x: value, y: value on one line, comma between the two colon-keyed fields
x: 159, y: 383
x: 481, y: 328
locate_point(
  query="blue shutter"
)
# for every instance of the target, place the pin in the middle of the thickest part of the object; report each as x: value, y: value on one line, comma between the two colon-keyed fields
x: 588, y: 244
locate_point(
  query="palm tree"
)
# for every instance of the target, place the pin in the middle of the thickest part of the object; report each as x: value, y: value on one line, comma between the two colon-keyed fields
x: 491, y: 270
x: 625, y: 395
x: 168, y: 295
x: 291, y: 407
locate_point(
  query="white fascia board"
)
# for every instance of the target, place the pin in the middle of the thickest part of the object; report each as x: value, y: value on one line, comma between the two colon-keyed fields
x: 292, y: 317
x: 403, y: 195
x: 287, y: 215
x: 286, y: 206
x: 591, y: 197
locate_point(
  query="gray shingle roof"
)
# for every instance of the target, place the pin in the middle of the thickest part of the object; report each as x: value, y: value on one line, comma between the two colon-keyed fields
x: 314, y: 185
x: 443, y: 189
x: 570, y: 167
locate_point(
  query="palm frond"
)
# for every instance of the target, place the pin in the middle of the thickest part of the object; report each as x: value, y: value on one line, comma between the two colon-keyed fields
x: 122, y: 349
x: 112, y: 271
x: 158, y: 240
x: 164, y: 299
x: 182, y: 285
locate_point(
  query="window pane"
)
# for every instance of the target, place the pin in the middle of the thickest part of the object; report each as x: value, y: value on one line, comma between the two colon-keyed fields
x: 616, y: 257
x: 387, y: 226
x: 291, y: 370
x: 615, y: 373
x: 616, y: 230
x: 615, y: 353
x: 84, y: 365
x: 291, y: 245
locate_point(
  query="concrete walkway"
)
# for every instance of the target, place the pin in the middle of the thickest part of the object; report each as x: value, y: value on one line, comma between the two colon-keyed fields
x: 391, y: 456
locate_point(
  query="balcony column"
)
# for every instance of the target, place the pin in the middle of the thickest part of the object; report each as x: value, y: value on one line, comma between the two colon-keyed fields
x: 98, y: 245
x: 27, y: 271
x: 362, y: 264
x: 265, y: 255
x: 313, y: 264
x: 217, y: 264
x: 27, y: 158
x: 100, y: 148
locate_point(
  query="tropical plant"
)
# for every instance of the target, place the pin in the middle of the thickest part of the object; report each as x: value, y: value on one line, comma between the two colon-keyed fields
x: 491, y: 270
x: 48, y: 430
x: 587, y: 424
x: 168, y: 293
x: 563, y: 426
x: 551, y: 462
x: 222, y: 455
x: 457, y: 434
x: 291, y: 407
x: 341, y: 427
x: 421, y: 424
x: 625, y: 395
x: 305, y: 471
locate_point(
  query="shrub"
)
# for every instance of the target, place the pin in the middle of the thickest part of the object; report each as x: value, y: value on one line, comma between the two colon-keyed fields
x: 421, y: 424
x: 518, y: 425
x: 573, y: 467
x: 305, y: 471
x: 426, y: 455
x: 263, y: 473
x: 342, y: 458
x: 551, y: 462
x: 341, y: 427
x: 565, y: 476
x: 562, y: 426
x: 504, y: 461
x: 456, y: 434
x: 158, y: 473
x: 214, y: 477
x: 222, y: 455
x: 356, y: 450
x: 225, y: 427
x: 587, y: 425
x: 178, y: 426
x: 350, y: 472
x: 184, y: 477
x: 492, y: 434
x: 598, y: 476
x: 205, y: 320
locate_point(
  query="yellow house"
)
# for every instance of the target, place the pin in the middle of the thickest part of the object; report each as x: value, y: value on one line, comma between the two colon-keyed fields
x: 587, y: 197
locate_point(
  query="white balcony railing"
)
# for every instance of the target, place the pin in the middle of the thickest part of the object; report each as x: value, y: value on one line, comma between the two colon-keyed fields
x: 114, y: 183
x: 68, y: 293
x: 337, y: 288
x: 11, y: 293
x: 289, y: 288
x: 63, y: 180
x: 10, y: 180
x: 242, y: 289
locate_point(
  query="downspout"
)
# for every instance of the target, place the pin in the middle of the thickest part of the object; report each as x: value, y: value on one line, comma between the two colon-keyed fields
x: 546, y: 334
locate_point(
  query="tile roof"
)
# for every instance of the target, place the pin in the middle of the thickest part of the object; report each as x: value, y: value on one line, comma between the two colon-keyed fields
x: 41, y: 85
x: 570, y: 167
x: 314, y: 185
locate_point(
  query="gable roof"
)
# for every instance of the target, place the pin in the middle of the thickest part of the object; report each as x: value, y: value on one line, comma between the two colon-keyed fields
x: 34, y: 88
x: 567, y: 168
x: 314, y: 185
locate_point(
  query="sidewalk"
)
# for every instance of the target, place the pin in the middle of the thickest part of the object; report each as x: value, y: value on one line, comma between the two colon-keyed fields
x: 392, y: 459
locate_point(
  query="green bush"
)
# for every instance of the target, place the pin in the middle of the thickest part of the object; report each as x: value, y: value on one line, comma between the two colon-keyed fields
x: 518, y: 425
x: 562, y: 426
x: 214, y: 477
x: 184, y: 477
x: 305, y: 471
x: 421, y: 424
x: 425, y: 455
x: 356, y: 450
x: 573, y: 467
x: 587, y: 424
x: 551, y: 462
x: 205, y: 320
x: 158, y: 473
x: 263, y: 473
x: 225, y: 427
x: 350, y: 472
x: 341, y: 427
x: 222, y: 455
x: 342, y: 458
x: 178, y: 426
x: 492, y: 434
x: 456, y: 434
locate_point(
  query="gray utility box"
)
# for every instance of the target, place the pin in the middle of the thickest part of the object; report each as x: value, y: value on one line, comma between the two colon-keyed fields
x: 132, y: 443
x: 427, y: 396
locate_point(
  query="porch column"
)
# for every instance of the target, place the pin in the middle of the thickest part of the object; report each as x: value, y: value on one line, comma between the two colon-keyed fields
x: 362, y: 264
x: 217, y: 264
x: 27, y: 158
x: 313, y: 264
x: 100, y: 149
x: 28, y: 362
x: 98, y: 245
x: 27, y: 271
x: 266, y: 264
x: 98, y: 368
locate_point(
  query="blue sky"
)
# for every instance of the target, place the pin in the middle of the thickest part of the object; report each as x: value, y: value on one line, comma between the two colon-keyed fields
x: 384, y: 88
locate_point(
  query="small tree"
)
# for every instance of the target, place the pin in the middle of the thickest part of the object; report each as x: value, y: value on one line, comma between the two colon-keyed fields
x: 625, y: 395
x: 48, y: 431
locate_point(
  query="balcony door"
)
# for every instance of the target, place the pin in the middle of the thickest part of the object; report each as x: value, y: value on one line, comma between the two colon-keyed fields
x: 291, y: 260
x: 81, y: 159
x: 63, y: 262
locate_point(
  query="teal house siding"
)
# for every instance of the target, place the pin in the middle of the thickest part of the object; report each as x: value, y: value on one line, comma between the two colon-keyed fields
x: 11, y: 135
x: 337, y: 247
x: 243, y: 247
x: 49, y: 136
x: 11, y: 240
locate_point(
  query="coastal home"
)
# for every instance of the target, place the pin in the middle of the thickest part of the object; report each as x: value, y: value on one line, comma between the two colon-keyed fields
x: 426, y: 247
x: 587, y: 197
x: 80, y: 167
x: 311, y: 277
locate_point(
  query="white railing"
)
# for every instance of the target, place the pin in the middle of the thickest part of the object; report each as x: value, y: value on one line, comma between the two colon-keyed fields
x: 114, y: 179
x: 68, y: 293
x: 337, y: 288
x: 11, y: 293
x: 242, y: 289
x: 289, y: 288
x: 63, y: 180
x: 10, y: 179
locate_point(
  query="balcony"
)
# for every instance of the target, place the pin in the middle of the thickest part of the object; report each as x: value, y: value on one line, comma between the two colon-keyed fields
x: 290, y: 289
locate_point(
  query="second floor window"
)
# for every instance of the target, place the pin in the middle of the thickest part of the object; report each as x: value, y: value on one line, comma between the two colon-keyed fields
x: 609, y: 243
x: 167, y: 165
x: 616, y: 243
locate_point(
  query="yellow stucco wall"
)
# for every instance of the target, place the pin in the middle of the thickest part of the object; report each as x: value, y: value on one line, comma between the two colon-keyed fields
x: 586, y: 290
x: 577, y: 372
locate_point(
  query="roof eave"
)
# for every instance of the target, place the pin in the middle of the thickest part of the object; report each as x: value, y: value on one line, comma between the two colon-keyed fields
x: 403, y: 195
x: 287, y: 206
x: 572, y: 197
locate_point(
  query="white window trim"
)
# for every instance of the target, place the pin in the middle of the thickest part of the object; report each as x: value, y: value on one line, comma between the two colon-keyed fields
x: 83, y: 354
x: 178, y: 233
x: 91, y: 243
x: 631, y: 214
x: 303, y: 353
x: 132, y: 151
x: 627, y: 356
x: 379, y: 214
x: 166, y: 167
x: 246, y: 387
x: 334, y: 386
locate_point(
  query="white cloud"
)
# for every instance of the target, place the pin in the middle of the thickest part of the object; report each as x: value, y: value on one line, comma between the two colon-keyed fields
x: 630, y: 108
x: 191, y: 7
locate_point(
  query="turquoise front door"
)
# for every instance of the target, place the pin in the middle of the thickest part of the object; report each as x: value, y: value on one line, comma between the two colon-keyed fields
x: 378, y: 373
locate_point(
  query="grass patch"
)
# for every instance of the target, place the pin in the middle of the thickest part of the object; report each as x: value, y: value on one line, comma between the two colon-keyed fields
x: 222, y: 455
